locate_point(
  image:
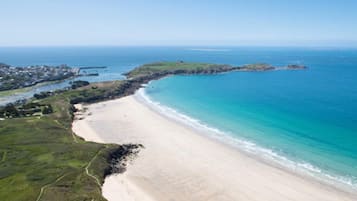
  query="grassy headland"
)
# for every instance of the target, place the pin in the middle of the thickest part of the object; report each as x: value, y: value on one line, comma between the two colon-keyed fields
x: 177, y: 68
x: 169, y: 68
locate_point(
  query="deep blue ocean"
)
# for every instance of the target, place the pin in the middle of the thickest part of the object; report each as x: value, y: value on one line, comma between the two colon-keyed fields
x: 303, y: 120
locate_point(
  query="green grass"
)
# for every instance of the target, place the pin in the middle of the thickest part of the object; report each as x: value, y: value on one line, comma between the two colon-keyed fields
x: 14, y: 91
x: 41, y: 153
x: 257, y: 66
x: 3, y: 159
x: 174, y: 65
x: 25, y: 89
x: 169, y: 66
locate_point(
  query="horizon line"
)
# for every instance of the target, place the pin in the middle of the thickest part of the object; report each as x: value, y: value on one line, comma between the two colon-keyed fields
x: 183, y: 45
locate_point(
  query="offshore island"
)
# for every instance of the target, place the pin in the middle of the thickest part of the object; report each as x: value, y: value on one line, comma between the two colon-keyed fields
x: 160, y: 159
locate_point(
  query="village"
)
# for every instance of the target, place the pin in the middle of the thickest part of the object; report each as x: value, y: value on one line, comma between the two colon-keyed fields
x: 18, y: 77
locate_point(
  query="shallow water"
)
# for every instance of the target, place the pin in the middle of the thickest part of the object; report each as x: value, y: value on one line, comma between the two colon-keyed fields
x: 304, y: 119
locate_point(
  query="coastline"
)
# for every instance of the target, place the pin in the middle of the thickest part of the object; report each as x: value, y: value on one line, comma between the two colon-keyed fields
x: 249, y: 148
x: 180, y: 164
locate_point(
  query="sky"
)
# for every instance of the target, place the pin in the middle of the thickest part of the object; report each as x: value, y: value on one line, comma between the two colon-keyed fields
x: 178, y: 22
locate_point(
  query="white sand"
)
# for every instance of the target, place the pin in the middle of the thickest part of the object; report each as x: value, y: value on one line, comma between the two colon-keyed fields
x: 179, y: 164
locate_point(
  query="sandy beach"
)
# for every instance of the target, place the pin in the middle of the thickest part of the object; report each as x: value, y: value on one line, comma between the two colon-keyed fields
x: 179, y: 164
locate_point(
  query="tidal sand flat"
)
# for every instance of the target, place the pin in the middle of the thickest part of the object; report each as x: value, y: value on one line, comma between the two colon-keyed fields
x: 178, y: 163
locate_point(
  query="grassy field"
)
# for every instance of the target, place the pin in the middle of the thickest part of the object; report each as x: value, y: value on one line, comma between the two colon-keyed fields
x: 25, y: 89
x: 41, y: 159
x: 171, y: 66
x: 14, y: 91
x: 257, y: 66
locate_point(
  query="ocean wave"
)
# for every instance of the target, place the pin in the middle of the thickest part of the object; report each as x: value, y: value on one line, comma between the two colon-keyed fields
x: 267, y: 155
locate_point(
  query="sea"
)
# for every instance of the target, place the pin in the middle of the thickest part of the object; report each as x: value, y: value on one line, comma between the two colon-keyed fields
x: 305, y: 121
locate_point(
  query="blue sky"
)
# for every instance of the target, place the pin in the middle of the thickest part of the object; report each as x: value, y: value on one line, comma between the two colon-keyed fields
x: 181, y: 22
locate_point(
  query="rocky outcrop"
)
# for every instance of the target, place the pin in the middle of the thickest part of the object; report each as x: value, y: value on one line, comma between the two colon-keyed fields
x: 296, y: 67
x: 119, y: 157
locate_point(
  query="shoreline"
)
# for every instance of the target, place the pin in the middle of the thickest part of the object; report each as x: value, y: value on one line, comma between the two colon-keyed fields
x: 250, y: 149
x: 173, y: 166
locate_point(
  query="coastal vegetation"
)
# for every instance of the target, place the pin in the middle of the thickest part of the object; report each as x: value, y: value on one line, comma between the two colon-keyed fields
x: 259, y: 66
x: 179, y: 67
x: 25, y: 110
x: 79, y: 83
x: 24, y: 89
x: 14, y: 91
x: 159, y: 69
x: 42, y: 159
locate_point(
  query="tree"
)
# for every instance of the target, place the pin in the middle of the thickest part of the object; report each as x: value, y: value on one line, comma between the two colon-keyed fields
x: 10, y: 111
x: 47, y: 109
x: 79, y: 83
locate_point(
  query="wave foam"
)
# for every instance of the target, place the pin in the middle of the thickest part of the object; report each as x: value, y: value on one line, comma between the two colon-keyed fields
x: 249, y: 147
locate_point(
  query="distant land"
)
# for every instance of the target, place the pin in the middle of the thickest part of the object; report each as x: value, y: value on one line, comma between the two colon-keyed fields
x: 170, y: 68
x: 20, y: 77
x: 12, y: 77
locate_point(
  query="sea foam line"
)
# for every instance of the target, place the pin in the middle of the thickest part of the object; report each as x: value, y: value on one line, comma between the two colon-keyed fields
x: 268, y: 155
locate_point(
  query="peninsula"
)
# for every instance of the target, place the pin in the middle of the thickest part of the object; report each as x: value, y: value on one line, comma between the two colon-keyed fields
x: 159, y: 69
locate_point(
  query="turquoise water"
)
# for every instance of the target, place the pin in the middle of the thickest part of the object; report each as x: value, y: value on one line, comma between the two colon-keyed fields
x: 305, y: 120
